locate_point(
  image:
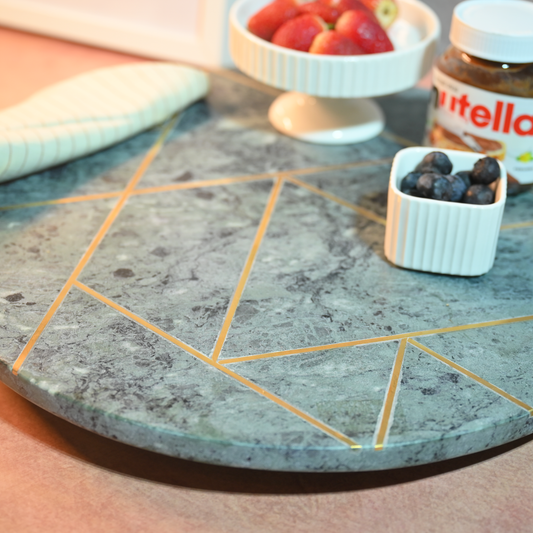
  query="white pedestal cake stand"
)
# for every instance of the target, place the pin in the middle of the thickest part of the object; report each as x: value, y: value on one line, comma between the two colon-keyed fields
x: 329, y: 100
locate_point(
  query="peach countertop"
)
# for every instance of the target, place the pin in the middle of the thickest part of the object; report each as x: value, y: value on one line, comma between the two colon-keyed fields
x: 56, y: 477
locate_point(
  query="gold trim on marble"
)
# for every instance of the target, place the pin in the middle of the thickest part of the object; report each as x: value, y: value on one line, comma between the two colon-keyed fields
x: 388, y: 338
x: 390, y: 397
x: 282, y: 403
x: 340, y: 166
x: 94, y: 244
x: 280, y: 177
x: 262, y: 176
x: 261, y: 230
x: 473, y: 376
x: 136, y: 318
x: 398, y: 139
x: 272, y: 91
x: 68, y: 200
x: 205, y: 183
x: 517, y: 225
x: 258, y: 177
x: 359, y: 210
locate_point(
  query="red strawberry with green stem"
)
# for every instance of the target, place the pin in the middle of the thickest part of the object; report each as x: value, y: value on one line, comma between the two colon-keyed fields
x: 298, y: 33
x: 269, y: 19
x: 327, y: 13
x: 334, y: 44
x: 345, y: 5
x: 364, y: 30
x: 386, y: 11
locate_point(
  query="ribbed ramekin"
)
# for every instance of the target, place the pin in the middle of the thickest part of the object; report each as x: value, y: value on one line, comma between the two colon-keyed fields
x: 335, y: 76
x: 441, y: 237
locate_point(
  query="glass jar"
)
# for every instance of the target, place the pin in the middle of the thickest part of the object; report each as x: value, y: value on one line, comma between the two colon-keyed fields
x: 482, y: 99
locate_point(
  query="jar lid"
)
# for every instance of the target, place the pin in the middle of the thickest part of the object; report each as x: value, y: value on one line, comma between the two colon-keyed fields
x: 496, y: 30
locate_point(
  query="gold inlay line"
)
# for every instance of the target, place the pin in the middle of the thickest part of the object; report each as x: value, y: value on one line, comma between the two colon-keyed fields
x: 391, y: 396
x: 516, y: 225
x: 340, y: 166
x: 92, y: 247
x: 206, y: 183
x: 137, y: 318
x: 398, y: 336
x: 258, y: 177
x: 232, y: 180
x: 300, y: 414
x: 386, y: 134
x: 359, y: 210
x: 200, y: 184
x: 69, y: 200
x: 261, y: 230
x: 272, y: 91
x: 473, y: 376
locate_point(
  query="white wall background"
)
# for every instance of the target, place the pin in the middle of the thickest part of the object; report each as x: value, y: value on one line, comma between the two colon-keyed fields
x: 172, y: 15
x: 194, y: 31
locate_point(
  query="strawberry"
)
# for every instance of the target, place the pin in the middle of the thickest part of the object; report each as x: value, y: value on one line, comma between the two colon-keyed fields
x: 385, y: 10
x: 345, y: 5
x: 328, y: 13
x: 298, y: 33
x: 334, y: 44
x: 266, y: 21
x: 364, y: 30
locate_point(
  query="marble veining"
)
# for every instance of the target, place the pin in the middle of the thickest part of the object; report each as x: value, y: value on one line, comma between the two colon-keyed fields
x: 119, y: 362
x: 344, y: 388
x: 311, y: 330
x: 501, y: 355
x: 220, y: 137
x: 437, y: 402
x: 321, y: 278
x: 39, y: 249
x: 175, y: 259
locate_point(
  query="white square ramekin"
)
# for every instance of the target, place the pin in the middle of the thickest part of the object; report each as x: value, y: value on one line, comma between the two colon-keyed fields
x: 436, y: 236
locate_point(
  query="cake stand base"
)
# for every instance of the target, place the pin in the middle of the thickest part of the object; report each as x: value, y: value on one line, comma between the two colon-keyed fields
x: 326, y: 120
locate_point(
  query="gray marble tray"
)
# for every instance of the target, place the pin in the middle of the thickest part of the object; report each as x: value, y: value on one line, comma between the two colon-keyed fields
x: 215, y: 291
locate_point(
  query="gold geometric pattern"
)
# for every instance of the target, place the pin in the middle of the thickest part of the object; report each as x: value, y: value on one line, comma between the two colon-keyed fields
x: 279, y: 179
x: 304, y: 416
x: 392, y: 390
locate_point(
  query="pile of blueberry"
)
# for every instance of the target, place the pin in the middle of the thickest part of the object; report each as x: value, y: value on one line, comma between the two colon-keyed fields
x: 433, y: 178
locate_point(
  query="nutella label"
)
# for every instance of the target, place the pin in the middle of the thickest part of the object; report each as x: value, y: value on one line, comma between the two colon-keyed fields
x: 462, y: 117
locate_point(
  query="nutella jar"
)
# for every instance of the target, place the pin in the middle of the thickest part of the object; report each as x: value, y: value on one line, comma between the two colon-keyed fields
x: 483, y: 86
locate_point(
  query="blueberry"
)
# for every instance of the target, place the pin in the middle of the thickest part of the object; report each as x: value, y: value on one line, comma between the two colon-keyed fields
x: 435, y: 162
x: 408, y: 183
x: 479, y: 195
x: 435, y: 186
x: 458, y: 187
x: 465, y: 176
x: 417, y: 193
x: 485, y: 171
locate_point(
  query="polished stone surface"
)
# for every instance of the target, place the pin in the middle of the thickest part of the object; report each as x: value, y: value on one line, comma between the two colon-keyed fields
x: 311, y: 314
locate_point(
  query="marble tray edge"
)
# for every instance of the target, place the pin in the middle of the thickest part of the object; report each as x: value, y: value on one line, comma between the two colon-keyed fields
x: 263, y: 457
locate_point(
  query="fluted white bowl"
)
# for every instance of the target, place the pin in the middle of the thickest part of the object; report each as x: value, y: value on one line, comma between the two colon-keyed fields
x: 436, y: 236
x: 414, y: 34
